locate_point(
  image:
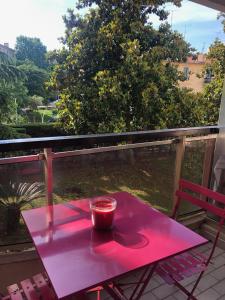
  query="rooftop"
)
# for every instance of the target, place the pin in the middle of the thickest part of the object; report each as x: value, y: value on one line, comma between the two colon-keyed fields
x: 215, y: 4
x: 4, y: 48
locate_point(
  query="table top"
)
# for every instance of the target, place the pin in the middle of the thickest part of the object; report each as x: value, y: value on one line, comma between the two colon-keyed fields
x: 76, y: 257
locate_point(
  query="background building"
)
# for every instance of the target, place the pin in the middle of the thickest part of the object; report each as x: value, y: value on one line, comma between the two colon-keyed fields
x: 7, y: 50
x: 192, y: 69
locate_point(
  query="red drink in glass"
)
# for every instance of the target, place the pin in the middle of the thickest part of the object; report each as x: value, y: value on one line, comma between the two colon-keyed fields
x: 102, y: 212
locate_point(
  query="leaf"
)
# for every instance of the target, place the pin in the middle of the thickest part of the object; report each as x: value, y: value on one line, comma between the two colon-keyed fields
x: 20, y: 194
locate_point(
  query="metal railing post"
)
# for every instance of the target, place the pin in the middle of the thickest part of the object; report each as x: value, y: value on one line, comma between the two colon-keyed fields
x: 48, y: 174
x: 180, y: 149
x: 208, y: 162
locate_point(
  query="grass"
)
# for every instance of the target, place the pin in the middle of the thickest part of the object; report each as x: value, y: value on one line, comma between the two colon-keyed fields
x: 149, y: 179
x: 46, y: 112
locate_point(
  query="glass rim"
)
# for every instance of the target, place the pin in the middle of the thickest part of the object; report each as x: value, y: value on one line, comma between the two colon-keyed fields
x: 99, y: 198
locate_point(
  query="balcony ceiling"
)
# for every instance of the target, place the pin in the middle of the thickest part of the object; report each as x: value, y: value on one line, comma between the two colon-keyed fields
x: 215, y: 4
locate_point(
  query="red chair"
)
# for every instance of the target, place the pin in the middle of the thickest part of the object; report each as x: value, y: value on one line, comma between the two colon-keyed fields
x: 177, y: 268
x: 39, y: 289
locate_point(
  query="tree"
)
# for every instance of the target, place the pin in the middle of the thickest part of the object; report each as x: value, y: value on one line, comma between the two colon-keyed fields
x: 35, y: 101
x: 12, y: 90
x: 13, y: 97
x: 21, y: 85
x: 8, y: 70
x: 213, y: 90
x: 174, y: 46
x: 216, y: 56
x: 115, y: 73
x: 32, y: 49
x: 188, y: 111
x: 35, y: 79
x: 221, y: 15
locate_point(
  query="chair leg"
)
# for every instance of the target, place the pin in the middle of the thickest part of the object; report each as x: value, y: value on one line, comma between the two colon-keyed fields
x: 195, y: 285
x: 98, y: 295
x: 184, y: 290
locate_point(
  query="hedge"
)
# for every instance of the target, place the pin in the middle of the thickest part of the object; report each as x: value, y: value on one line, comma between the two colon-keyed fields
x: 8, y: 132
x: 40, y: 129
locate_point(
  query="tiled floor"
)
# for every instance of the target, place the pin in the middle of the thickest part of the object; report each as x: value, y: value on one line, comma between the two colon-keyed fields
x: 211, y: 286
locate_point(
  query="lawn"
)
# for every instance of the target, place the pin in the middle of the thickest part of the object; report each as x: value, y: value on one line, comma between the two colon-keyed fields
x: 45, y: 115
x: 150, y: 177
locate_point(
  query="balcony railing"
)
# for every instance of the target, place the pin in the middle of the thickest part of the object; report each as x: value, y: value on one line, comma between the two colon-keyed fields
x: 51, y: 150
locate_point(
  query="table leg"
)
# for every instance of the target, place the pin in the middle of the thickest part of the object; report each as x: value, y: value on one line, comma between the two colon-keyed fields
x: 139, y: 282
x: 146, y: 281
x: 116, y: 292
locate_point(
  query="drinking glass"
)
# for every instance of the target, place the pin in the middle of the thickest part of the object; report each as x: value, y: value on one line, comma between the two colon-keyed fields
x: 102, y: 212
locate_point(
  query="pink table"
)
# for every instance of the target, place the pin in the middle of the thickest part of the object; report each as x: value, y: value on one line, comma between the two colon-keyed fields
x: 77, y: 258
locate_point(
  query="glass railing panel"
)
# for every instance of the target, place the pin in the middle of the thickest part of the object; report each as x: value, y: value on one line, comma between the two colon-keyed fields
x: 22, y: 187
x: 145, y: 172
x: 192, y: 169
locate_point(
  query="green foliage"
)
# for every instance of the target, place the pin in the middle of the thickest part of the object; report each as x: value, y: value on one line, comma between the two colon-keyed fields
x: 9, y: 73
x: 41, y: 130
x: 188, y: 111
x: 213, y: 94
x: 7, y: 132
x: 13, y: 197
x: 35, y: 63
x: 22, y: 82
x: 32, y: 49
x: 35, y: 79
x: 12, y: 98
x: 12, y: 89
x: 115, y: 74
x: 213, y: 91
x: 221, y: 15
x: 39, y: 116
x: 217, y: 57
x: 19, y: 194
x: 172, y: 44
x: 35, y: 101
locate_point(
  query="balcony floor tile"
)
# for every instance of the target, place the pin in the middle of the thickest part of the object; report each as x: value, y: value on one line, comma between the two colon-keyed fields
x: 211, y: 286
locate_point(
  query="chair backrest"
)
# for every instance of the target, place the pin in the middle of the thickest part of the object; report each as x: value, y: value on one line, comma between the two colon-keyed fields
x: 185, y: 192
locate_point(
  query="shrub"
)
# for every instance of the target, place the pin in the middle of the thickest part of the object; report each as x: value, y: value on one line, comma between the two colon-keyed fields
x: 40, y: 129
x: 8, y: 132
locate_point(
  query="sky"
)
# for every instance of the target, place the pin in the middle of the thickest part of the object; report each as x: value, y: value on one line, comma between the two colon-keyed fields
x: 43, y: 19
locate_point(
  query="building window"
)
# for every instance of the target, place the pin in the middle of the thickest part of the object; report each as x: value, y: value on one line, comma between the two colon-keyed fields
x: 208, y: 76
x: 186, y: 73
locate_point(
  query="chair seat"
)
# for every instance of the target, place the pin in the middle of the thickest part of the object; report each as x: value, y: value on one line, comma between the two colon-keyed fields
x: 181, y: 266
x: 35, y: 289
x: 175, y: 269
